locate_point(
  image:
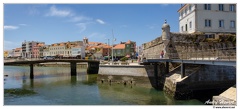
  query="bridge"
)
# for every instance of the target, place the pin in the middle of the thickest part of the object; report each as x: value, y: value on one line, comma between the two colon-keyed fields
x: 187, y: 61
x: 93, y: 65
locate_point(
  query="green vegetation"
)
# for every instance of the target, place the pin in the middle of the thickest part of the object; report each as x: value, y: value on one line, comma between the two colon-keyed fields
x: 19, y: 91
x: 124, y: 59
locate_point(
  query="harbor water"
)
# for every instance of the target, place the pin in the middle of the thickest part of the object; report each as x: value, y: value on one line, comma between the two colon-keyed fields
x: 55, y: 86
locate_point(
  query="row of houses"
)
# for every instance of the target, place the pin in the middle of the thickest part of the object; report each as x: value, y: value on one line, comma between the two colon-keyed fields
x: 73, y: 49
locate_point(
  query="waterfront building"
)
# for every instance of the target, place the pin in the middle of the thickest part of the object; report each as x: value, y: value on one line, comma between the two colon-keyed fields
x: 127, y: 49
x: 63, y: 49
x: 139, y: 51
x: 5, y: 54
x: 36, y: 50
x: 97, y: 50
x: 210, y: 19
x: 106, y: 50
x: 17, y: 52
x: 45, y: 50
x: 119, y: 50
x: 78, y: 51
x: 27, y: 48
x: 11, y: 53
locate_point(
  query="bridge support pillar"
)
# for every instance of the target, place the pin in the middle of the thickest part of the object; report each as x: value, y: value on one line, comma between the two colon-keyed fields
x: 73, y: 68
x: 31, y: 71
x: 167, y: 68
x: 182, y: 70
x: 156, y: 73
x: 93, y: 68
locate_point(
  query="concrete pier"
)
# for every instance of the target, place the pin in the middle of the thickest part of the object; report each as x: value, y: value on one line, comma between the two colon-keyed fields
x: 182, y: 70
x: 199, y: 80
x: 73, y: 68
x: 31, y: 71
x: 228, y: 97
x: 93, y: 68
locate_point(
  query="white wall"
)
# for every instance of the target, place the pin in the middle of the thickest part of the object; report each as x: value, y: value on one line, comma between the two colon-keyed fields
x: 214, y: 15
x: 186, y: 19
x: 198, y: 15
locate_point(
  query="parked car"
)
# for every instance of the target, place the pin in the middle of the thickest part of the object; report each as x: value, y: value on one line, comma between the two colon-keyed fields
x: 48, y: 58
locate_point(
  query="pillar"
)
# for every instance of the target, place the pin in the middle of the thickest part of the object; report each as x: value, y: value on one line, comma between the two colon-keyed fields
x: 156, y: 74
x: 73, y: 68
x: 182, y: 70
x: 167, y: 68
x: 93, y: 68
x: 31, y: 71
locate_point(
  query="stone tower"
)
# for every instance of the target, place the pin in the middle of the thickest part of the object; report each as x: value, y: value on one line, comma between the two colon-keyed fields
x: 165, y: 38
x: 165, y: 31
x: 85, y: 41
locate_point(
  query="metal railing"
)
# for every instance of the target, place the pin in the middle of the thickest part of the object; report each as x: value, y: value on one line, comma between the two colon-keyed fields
x: 204, y: 54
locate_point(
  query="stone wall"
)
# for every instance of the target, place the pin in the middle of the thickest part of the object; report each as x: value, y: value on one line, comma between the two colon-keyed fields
x: 192, y: 46
x: 201, y: 79
x: 143, y: 75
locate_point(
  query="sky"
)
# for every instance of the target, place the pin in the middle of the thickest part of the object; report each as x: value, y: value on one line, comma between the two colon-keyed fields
x: 62, y: 22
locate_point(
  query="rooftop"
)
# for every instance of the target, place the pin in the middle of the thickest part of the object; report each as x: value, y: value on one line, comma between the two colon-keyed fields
x: 119, y: 46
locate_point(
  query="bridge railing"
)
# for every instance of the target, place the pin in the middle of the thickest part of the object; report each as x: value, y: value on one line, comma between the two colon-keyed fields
x: 206, y: 54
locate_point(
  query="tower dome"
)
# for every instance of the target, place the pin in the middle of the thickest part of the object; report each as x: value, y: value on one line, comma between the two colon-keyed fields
x: 165, y: 25
x: 165, y: 31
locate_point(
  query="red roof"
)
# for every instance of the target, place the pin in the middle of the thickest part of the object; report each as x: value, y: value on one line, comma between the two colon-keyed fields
x: 119, y: 46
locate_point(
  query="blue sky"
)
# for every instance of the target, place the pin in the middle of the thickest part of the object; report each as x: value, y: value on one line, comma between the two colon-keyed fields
x: 53, y: 23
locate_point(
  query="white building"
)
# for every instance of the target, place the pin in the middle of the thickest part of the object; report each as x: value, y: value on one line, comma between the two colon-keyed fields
x: 78, y: 50
x: 207, y: 18
x: 27, y: 48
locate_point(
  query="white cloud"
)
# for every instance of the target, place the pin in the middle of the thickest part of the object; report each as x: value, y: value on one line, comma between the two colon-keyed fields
x: 80, y: 18
x: 10, y: 27
x: 23, y: 24
x: 100, y: 21
x: 33, y: 10
x: 82, y: 26
x: 164, y: 5
x: 59, y: 13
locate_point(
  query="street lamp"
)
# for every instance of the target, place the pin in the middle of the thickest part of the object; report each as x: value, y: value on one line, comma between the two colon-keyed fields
x: 108, y: 49
x: 114, y: 39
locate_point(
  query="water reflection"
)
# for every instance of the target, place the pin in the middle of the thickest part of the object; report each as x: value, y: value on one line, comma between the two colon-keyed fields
x: 55, y: 86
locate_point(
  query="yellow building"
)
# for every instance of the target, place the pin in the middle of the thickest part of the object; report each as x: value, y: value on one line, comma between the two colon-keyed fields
x: 5, y: 54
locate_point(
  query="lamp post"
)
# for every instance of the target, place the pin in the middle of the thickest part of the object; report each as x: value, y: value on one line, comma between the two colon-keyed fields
x: 108, y: 50
x: 112, y: 44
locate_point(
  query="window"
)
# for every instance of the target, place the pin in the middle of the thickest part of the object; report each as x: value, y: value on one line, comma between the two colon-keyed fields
x: 221, y: 23
x: 182, y: 28
x: 207, y: 23
x: 190, y: 25
x: 210, y: 36
x: 186, y: 11
x: 232, y: 7
x: 190, y: 7
x: 186, y: 27
x: 220, y: 7
x: 207, y: 6
x: 118, y: 51
x: 232, y: 24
